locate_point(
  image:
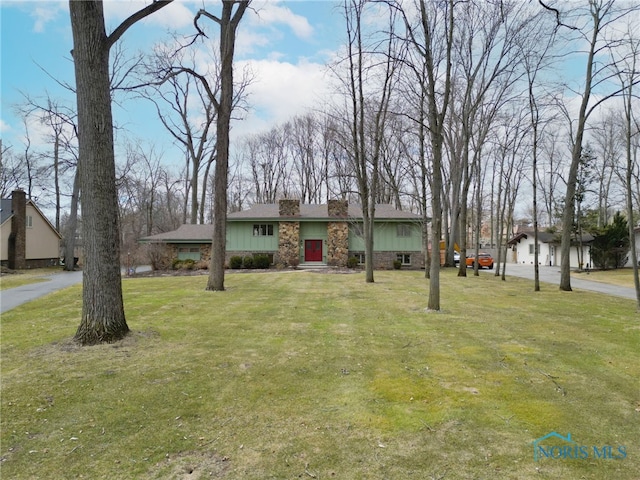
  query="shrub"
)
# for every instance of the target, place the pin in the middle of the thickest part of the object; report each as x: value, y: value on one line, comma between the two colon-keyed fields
x: 188, y: 264
x: 176, y: 264
x: 261, y: 261
x: 352, y: 262
x: 397, y: 264
x: 247, y: 262
x: 202, y: 265
x: 235, y: 262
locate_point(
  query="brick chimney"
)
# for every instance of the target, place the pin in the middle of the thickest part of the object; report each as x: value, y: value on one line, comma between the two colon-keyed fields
x: 289, y: 208
x: 18, y: 237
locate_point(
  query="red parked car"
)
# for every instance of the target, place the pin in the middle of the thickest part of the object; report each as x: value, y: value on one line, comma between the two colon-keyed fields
x: 484, y: 260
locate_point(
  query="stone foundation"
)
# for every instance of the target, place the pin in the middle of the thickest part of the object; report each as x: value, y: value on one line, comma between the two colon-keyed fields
x: 384, y: 260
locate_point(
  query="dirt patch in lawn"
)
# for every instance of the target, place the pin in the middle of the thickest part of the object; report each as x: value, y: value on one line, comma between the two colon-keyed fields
x: 190, y: 465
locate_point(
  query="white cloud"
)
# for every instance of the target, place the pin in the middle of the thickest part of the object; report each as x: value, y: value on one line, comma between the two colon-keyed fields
x: 270, y: 13
x: 281, y: 90
x: 173, y: 16
x: 4, y: 126
x: 45, y: 13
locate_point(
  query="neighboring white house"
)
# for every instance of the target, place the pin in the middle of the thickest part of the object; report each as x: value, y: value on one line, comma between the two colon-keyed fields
x: 522, y: 249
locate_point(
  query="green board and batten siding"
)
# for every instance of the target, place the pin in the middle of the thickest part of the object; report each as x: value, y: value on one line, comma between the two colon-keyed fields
x: 386, y: 238
x: 313, y: 231
x: 240, y: 237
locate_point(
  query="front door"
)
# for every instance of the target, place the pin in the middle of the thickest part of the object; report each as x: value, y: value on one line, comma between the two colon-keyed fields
x: 313, y: 250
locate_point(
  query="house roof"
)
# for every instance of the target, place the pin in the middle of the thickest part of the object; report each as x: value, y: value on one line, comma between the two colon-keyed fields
x: 270, y: 211
x: 5, y: 210
x: 186, y: 233
x: 546, y: 237
x: 6, y: 213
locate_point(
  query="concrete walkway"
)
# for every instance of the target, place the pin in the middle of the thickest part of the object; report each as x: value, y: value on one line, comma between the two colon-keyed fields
x: 552, y: 275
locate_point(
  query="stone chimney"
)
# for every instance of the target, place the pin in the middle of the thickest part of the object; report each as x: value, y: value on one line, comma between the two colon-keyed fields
x: 338, y: 208
x: 18, y: 237
x: 289, y: 208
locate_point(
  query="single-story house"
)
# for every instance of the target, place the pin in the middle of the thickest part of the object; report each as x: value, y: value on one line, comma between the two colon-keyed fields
x: 314, y: 235
x: 28, y: 239
x: 522, y: 248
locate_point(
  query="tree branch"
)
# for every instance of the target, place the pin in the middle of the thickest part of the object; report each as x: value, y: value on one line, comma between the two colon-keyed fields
x: 557, y: 12
x: 139, y: 15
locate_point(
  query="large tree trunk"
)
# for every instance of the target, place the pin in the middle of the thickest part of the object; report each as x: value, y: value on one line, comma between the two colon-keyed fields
x: 103, y: 317
x: 228, y: 24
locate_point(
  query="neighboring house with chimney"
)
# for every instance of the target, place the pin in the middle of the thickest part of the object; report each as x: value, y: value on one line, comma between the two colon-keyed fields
x: 307, y: 235
x: 28, y: 239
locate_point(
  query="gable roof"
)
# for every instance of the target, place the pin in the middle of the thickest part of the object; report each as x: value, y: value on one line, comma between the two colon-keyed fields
x: 6, y: 213
x: 547, y: 237
x: 5, y: 210
x: 309, y: 212
x: 185, y: 233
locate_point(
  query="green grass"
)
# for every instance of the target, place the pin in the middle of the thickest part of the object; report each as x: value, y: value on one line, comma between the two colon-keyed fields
x: 303, y: 375
x: 622, y: 277
x: 19, y: 278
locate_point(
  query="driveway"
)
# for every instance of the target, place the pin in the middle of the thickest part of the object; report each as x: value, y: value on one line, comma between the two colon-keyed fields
x: 13, y: 297
x: 552, y: 275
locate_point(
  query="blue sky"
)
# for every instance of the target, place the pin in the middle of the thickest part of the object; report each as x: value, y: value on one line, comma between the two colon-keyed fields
x: 287, y: 45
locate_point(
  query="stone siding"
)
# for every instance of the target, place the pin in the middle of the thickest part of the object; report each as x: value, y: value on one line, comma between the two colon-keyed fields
x: 384, y: 260
x: 289, y: 208
x: 288, y: 243
x: 338, y: 208
x: 337, y: 244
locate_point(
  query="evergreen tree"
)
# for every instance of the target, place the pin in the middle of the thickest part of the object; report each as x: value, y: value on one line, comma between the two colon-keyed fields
x: 611, y: 246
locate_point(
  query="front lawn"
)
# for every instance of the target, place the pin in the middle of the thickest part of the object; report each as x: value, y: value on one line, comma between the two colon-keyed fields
x: 622, y: 277
x: 305, y: 375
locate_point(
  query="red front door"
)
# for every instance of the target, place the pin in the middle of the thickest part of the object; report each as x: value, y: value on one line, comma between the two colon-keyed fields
x: 313, y: 250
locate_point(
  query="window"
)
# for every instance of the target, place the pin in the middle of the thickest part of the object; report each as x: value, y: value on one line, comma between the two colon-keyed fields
x: 403, y: 230
x: 263, y: 230
x: 531, y: 248
x: 189, y: 252
x: 360, y: 257
x: 404, y: 258
x: 29, y: 221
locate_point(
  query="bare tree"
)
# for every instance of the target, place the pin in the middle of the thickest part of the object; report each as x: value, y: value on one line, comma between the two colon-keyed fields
x: 187, y: 112
x: 601, y: 14
x: 228, y: 23
x: 628, y: 73
x: 430, y: 38
x: 103, y: 318
x: 12, y: 171
x: 534, y: 63
x: 367, y: 110
x: 609, y: 143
